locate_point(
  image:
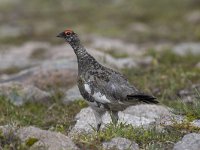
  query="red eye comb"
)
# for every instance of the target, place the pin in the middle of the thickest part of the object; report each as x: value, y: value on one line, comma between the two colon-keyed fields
x: 68, y: 31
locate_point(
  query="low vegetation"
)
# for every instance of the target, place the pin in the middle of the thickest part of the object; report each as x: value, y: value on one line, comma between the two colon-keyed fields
x: 163, y: 21
x: 168, y: 74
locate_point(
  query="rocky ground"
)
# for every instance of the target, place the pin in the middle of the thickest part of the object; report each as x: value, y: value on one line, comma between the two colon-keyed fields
x: 40, y: 104
x: 44, y: 81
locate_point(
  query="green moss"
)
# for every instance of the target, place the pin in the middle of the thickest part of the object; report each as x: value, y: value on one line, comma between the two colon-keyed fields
x: 53, y: 115
x: 30, y: 141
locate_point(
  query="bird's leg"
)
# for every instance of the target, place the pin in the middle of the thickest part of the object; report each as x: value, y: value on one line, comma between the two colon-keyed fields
x: 98, y: 127
x: 98, y: 115
x: 114, y: 117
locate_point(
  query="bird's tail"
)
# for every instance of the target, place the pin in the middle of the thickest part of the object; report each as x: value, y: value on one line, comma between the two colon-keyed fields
x: 144, y: 98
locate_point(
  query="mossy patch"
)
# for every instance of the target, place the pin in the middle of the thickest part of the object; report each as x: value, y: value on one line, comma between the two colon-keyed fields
x: 54, y: 115
x: 30, y: 141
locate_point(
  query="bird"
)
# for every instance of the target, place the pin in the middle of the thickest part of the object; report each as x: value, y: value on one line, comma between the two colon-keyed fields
x: 103, y: 88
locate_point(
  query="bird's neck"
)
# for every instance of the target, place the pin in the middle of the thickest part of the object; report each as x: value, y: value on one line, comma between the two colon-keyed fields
x: 85, y: 60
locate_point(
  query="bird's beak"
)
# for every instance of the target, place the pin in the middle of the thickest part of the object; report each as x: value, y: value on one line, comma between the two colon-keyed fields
x: 61, y: 35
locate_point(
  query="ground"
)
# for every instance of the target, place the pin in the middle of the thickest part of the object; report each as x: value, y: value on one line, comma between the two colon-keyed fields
x: 157, y: 31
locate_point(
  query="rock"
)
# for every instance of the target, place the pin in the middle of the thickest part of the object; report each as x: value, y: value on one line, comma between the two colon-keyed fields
x: 46, y: 139
x: 193, y: 17
x: 19, y: 93
x: 198, y: 65
x: 196, y: 123
x: 189, y: 95
x: 119, y: 62
x: 160, y: 115
x: 9, y: 55
x: 119, y: 143
x: 148, y: 111
x: 189, y: 142
x: 185, y: 48
x: 86, y: 121
x: 50, y: 62
x: 7, y: 129
x: 137, y: 116
x: 145, y: 61
x: 72, y: 95
x: 139, y: 27
x: 59, y: 73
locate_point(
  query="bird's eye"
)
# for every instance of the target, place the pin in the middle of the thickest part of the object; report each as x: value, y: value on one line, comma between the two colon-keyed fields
x: 68, y: 33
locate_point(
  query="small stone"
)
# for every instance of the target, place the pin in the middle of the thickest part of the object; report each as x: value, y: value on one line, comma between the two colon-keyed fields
x: 198, y: 65
x: 196, y: 123
x: 120, y: 143
x: 185, y: 48
x: 193, y: 17
x: 72, y: 95
x: 46, y: 139
x: 189, y: 142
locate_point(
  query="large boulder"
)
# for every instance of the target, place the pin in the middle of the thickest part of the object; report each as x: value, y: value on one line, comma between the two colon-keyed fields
x: 35, y: 138
x: 57, y: 73
x: 141, y: 115
x: 19, y: 93
x: 189, y: 142
x: 46, y: 139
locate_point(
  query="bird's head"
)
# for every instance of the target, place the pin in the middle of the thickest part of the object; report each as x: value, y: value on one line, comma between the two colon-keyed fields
x: 69, y: 36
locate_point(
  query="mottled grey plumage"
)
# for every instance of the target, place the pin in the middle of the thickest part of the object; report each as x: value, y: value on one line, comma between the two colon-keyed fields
x: 103, y: 88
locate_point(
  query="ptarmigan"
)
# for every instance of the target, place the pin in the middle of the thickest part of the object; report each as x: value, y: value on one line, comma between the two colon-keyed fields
x: 103, y: 88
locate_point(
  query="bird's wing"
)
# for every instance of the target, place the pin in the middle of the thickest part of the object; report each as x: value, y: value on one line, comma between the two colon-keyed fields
x: 111, y: 87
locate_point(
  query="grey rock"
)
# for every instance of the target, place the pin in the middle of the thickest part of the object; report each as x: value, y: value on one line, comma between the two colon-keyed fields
x: 185, y: 48
x: 46, y: 139
x: 149, y: 111
x: 193, y: 17
x: 189, y: 142
x: 58, y: 72
x: 120, y: 143
x: 139, y: 27
x: 19, y: 93
x: 9, y: 55
x: 86, y: 121
x: 7, y: 129
x: 110, y: 61
x: 145, y: 61
x: 198, y: 65
x: 196, y: 123
x: 190, y: 95
x: 160, y: 115
x: 139, y: 115
x: 72, y: 95
x: 170, y: 120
